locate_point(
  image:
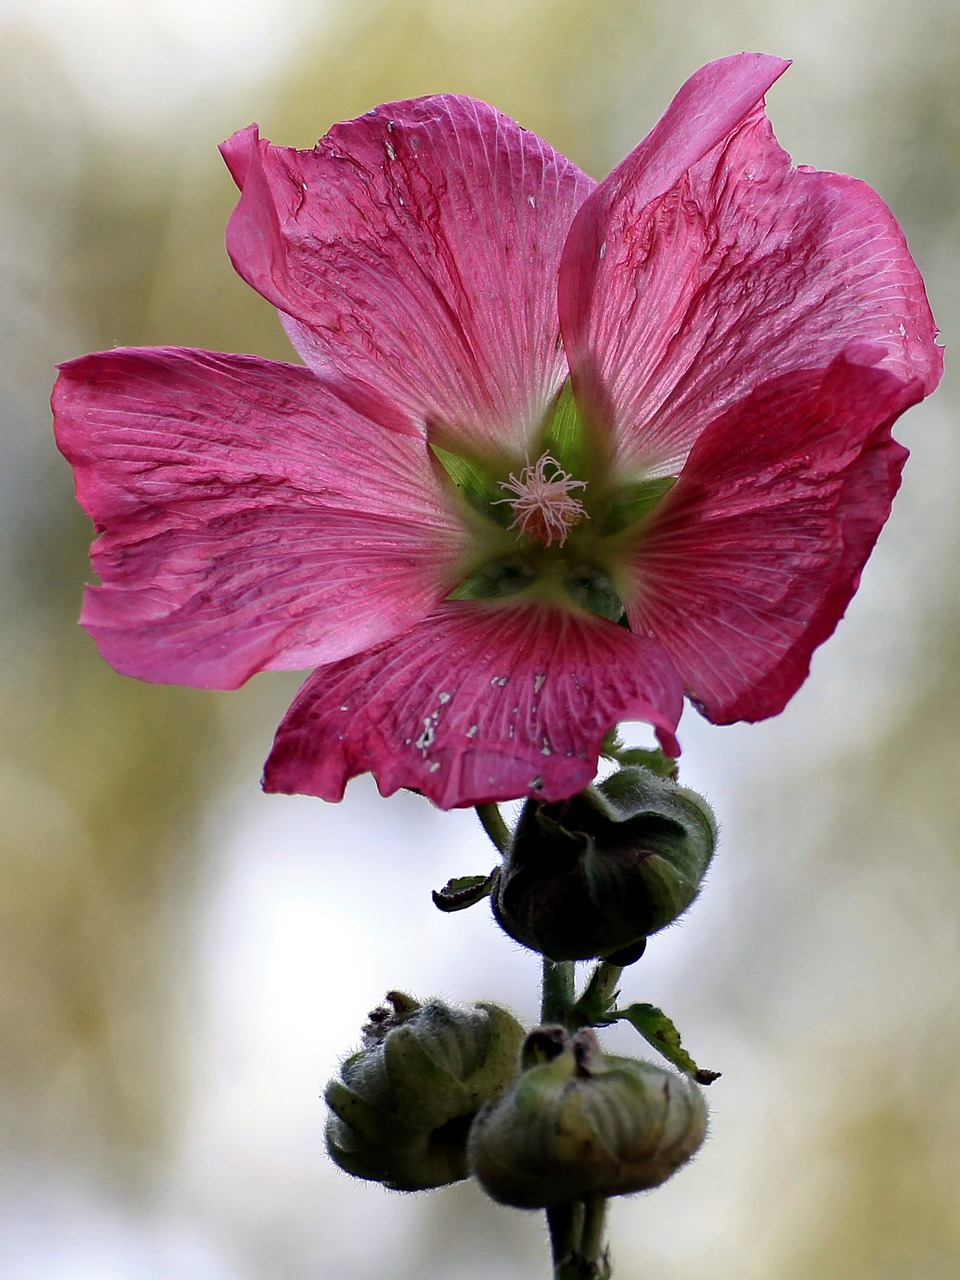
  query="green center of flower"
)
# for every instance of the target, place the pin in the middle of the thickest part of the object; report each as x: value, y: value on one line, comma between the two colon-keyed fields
x: 561, y: 529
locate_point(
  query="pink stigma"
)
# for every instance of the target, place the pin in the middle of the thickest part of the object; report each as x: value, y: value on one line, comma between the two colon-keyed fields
x: 543, y: 505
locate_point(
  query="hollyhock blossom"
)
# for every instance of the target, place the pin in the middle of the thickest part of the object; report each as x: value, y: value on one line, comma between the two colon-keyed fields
x: 558, y: 453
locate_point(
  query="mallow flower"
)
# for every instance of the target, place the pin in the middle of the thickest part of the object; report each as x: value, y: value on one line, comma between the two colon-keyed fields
x: 558, y: 452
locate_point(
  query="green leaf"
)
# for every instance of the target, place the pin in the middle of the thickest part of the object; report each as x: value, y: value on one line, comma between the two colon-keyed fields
x: 658, y: 1030
x: 464, y: 891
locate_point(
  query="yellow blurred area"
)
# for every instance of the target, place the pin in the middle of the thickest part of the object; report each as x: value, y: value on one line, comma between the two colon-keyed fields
x: 182, y: 960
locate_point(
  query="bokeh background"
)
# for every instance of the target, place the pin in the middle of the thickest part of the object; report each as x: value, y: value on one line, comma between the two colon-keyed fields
x: 183, y: 960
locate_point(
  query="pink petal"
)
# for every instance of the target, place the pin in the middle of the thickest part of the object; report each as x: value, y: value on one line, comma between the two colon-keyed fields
x: 478, y: 703
x: 750, y: 561
x: 415, y: 250
x: 249, y: 519
x: 704, y: 264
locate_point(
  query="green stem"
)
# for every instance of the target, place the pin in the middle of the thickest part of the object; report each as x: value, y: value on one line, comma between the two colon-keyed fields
x: 563, y: 1220
x: 576, y: 1230
x: 493, y: 824
x: 558, y: 990
x: 593, y: 1261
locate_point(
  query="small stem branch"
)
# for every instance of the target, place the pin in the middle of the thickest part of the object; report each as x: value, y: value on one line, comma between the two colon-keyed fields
x: 597, y: 997
x: 493, y: 824
x: 607, y: 979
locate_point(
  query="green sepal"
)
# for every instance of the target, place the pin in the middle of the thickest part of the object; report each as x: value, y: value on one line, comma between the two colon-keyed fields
x: 464, y: 891
x: 564, y: 434
x: 401, y: 1107
x: 473, y: 480
x: 659, y: 1031
x: 626, y: 506
x: 419, y: 1080
x: 593, y: 590
x: 582, y: 1123
x: 655, y: 760
x: 595, y: 875
x: 496, y: 578
x: 367, y: 1119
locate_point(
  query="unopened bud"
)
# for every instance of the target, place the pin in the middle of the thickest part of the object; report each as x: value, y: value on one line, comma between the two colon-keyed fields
x: 595, y: 875
x: 401, y: 1106
x: 577, y: 1122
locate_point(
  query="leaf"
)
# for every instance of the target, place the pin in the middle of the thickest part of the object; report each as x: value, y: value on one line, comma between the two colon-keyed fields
x: 464, y: 891
x: 658, y: 1030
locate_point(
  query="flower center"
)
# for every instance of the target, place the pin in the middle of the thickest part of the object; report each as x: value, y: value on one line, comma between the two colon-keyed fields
x: 542, y: 503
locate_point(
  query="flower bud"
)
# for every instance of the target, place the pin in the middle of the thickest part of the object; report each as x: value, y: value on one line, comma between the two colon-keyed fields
x: 402, y: 1105
x: 595, y: 875
x: 577, y: 1122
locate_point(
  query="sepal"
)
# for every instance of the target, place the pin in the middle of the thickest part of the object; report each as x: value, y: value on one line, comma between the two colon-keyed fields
x: 578, y: 1122
x: 401, y: 1107
x: 595, y: 875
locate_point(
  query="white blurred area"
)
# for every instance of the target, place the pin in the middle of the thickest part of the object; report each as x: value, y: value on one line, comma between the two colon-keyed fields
x: 168, y: 1032
x: 139, y: 63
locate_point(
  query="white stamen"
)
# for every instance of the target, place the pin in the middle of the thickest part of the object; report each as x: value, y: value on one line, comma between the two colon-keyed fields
x: 543, y: 504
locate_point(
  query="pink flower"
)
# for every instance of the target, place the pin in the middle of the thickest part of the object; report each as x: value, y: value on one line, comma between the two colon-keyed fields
x: 533, y: 408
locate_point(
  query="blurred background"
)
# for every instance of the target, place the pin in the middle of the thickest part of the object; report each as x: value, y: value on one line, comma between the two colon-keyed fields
x: 183, y: 960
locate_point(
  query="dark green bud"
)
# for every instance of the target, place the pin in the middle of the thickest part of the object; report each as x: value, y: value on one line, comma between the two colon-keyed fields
x: 577, y: 1122
x: 595, y: 875
x: 402, y: 1105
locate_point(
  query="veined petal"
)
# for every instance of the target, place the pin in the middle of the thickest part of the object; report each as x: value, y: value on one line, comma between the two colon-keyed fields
x: 249, y: 519
x: 476, y: 704
x: 705, y: 264
x: 750, y: 560
x: 416, y: 250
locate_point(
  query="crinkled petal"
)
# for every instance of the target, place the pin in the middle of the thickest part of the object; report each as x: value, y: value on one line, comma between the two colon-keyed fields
x: 704, y: 264
x: 749, y: 562
x: 416, y: 251
x: 478, y: 703
x: 248, y: 518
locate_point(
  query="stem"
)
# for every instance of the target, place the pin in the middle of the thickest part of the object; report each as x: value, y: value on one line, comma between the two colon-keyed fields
x: 557, y: 995
x: 562, y: 1224
x: 576, y: 1230
x: 558, y: 990
x: 591, y: 1241
x: 493, y: 824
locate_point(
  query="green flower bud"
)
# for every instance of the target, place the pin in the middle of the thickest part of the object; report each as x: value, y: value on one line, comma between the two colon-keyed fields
x: 595, y: 875
x: 402, y: 1105
x: 577, y: 1122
